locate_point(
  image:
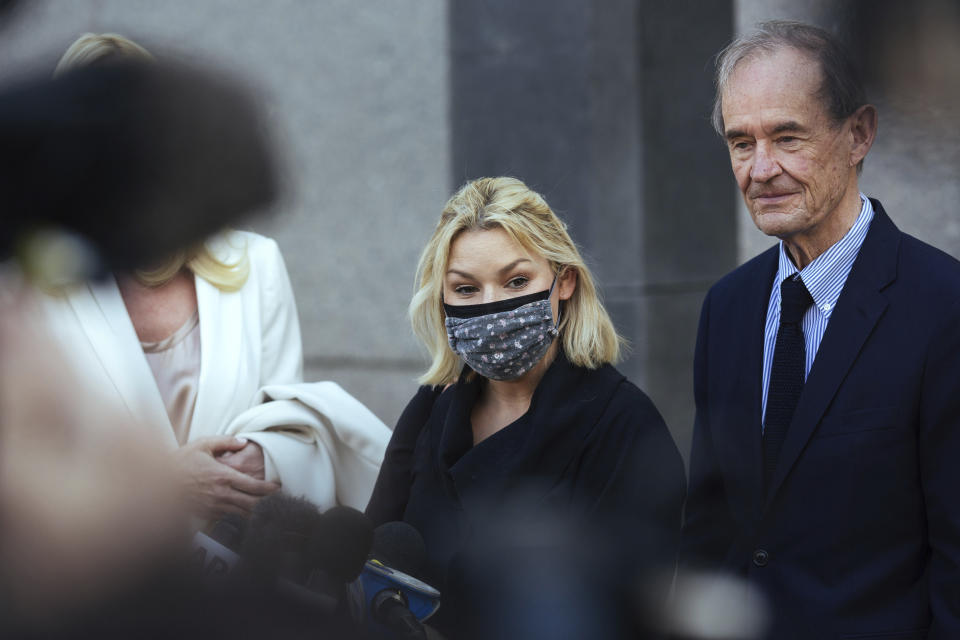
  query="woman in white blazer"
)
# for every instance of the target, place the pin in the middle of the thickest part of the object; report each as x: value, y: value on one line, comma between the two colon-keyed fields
x: 248, y: 338
x: 206, y: 347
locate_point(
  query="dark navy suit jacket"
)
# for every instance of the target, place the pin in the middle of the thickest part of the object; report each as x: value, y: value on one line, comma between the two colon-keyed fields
x: 858, y: 535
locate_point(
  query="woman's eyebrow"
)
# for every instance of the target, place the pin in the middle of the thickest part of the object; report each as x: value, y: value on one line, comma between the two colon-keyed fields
x: 509, y: 267
x: 513, y: 265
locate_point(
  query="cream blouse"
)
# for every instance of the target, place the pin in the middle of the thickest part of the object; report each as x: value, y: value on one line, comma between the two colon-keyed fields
x: 175, y: 362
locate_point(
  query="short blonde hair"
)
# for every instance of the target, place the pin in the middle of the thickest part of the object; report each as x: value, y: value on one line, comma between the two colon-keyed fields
x: 587, y: 333
x: 104, y: 48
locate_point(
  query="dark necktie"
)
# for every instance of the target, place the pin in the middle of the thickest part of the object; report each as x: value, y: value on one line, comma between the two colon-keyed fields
x: 787, y: 374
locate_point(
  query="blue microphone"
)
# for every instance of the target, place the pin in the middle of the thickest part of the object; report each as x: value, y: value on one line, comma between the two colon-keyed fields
x: 386, y: 596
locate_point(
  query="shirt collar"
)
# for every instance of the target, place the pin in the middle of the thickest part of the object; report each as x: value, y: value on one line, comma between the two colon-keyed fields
x: 825, y: 276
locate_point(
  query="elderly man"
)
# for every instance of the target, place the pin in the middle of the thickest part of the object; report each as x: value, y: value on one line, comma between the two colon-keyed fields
x: 826, y: 451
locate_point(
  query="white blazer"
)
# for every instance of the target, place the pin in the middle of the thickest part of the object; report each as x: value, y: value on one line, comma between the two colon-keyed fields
x: 249, y: 339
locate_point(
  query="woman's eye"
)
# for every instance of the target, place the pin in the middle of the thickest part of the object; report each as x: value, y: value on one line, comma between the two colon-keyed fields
x: 465, y: 289
x: 518, y: 282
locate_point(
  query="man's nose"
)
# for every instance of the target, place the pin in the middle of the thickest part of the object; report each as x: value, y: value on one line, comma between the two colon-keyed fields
x: 765, y: 165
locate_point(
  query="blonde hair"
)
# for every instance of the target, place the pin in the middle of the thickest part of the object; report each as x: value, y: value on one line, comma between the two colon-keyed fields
x: 99, y: 48
x: 104, y: 48
x: 587, y: 333
x: 199, y: 260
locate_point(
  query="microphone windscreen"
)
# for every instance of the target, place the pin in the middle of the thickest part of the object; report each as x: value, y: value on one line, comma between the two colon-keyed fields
x: 341, y: 542
x: 399, y: 546
x: 278, y: 533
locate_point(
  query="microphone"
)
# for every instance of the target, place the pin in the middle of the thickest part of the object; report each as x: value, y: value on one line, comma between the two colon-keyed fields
x: 213, y: 556
x: 342, y: 543
x: 386, y: 596
x: 230, y: 531
x: 399, y: 545
x: 306, y: 555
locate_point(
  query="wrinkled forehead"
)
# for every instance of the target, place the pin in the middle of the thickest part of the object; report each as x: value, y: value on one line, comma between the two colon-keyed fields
x: 779, y: 70
x: 783, y: 83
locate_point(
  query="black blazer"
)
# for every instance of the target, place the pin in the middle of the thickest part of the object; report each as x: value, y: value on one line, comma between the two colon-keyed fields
x: 588, y: 475
x: 859, y: 534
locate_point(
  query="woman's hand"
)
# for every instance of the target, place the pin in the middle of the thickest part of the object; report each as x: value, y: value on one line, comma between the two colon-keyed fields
x: 213, y: 488
x: 248, y: 460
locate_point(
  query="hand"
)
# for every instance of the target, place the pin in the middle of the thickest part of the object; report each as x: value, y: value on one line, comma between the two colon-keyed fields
x: 214, y: 489
x: 248, y: 460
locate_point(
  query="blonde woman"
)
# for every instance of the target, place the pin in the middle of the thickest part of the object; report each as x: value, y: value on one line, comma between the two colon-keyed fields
x: 187, y: 344
x: 521, y: 408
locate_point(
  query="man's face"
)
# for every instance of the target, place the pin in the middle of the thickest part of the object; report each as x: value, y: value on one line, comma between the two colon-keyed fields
x: 792, y: 163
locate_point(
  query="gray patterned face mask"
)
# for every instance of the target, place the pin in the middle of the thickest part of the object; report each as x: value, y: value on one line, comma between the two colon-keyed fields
x: 502, y: 340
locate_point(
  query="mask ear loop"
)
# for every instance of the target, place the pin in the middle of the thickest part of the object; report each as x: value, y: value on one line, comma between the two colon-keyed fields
x: 556, y: 325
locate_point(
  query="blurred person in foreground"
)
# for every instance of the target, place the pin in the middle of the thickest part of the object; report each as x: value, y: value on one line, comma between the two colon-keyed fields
x: 187, y: 345
x: 94, y: 541
x: 526, y: 457
x: 87, y: 504
x: 827, y: 371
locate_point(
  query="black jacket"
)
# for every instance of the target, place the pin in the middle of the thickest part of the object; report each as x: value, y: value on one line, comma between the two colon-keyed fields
x: 588, y: 483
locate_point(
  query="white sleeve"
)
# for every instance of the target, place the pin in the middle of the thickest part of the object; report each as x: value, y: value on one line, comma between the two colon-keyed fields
x: 302, y: 467
x: 318, y: 441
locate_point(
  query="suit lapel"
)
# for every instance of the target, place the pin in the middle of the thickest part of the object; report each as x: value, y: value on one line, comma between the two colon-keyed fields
x: 103, y: 317
x: 222, y: 366
x: 860, y: 306
x: 746, y: 373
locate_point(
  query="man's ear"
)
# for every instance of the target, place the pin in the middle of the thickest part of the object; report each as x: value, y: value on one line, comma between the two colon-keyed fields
x: 863, y: 127
x: 566, y: 283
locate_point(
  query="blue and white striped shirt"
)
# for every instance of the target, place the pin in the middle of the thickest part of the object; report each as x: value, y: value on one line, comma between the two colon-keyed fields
x: 824, y: 279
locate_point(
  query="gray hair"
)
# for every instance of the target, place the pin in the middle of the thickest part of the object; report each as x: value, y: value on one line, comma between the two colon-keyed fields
x: 842, y: 91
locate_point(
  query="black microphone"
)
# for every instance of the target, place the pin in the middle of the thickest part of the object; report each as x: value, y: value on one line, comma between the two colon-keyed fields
x: 342, y: 542
x: 215, y: 557
x: 400, y: 546
x: 230, y: 531
x: 277, y: 533
x: 306, y: 555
